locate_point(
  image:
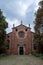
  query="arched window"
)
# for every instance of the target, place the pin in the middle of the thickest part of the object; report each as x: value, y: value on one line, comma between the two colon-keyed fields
x: 8, y: 41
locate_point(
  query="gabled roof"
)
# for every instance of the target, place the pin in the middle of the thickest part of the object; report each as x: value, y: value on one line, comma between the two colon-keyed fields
x: 21, y: 25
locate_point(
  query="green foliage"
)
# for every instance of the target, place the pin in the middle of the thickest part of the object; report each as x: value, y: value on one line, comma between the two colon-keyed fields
x: 38, y: 36
x: 38, y: 55
x: 3, y: 26
x: 41, y: 3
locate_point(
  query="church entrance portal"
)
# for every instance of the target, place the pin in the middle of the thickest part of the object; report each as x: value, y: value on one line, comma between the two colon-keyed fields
x: 21, y: 51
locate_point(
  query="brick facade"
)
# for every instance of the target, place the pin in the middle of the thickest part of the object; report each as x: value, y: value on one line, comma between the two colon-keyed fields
x: 16, y: 42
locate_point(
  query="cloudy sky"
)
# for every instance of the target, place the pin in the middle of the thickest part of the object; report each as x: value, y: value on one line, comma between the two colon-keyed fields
x: 17, y: 10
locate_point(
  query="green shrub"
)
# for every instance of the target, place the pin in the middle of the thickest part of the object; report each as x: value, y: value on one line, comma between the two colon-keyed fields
x: 38, y: 55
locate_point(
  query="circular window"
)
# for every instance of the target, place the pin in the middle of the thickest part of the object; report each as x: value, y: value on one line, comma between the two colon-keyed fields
x: 21, y: 34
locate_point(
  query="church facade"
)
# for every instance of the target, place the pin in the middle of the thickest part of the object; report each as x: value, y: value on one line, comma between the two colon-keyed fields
x: 20, y: 40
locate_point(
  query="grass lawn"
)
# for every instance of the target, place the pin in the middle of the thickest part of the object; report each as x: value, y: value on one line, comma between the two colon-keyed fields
x: 20, y: 60
x: 5, y: 57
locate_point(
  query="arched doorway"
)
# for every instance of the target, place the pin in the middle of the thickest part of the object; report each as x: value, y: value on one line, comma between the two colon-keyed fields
x: 21, y: 51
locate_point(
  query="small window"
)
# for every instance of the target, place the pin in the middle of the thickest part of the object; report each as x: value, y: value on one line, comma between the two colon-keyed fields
x: 25, y: 29
x: 16, y: 29
x: 8, y: 36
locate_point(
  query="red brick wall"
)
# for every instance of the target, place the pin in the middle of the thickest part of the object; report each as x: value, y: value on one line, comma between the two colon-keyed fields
x: 15, y: 40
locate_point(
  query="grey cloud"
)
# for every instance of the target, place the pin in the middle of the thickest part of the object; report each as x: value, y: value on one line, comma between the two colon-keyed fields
x: 11, y: 10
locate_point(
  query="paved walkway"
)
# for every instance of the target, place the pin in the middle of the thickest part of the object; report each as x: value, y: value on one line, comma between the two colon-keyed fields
x: 21, y: 60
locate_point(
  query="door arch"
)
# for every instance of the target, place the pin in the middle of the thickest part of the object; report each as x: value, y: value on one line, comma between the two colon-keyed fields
x: 21, y: 50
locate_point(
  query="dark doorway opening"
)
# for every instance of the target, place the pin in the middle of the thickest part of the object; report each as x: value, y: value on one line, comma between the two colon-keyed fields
x: 21, y: 51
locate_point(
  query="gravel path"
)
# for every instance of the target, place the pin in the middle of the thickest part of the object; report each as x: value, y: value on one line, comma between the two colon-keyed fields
x: 21, y: 60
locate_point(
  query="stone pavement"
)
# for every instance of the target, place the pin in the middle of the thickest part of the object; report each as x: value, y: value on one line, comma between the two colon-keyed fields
x: 22, y: 60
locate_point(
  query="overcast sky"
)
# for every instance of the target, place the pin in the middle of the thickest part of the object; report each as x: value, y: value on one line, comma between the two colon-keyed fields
x: 17, y: 10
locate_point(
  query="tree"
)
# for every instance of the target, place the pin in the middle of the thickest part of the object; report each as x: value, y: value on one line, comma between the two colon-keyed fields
x: 38, y: 36
x: 3, y: 26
